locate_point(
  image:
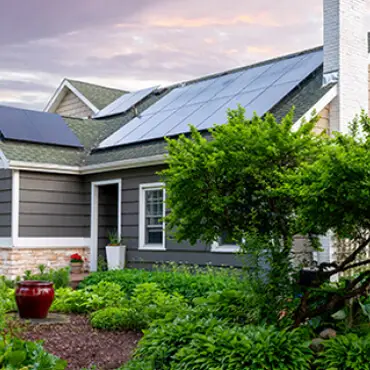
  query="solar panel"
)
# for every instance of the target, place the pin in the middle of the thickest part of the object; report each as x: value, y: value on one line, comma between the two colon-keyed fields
x: 205, y: 103
x: 125, y: 102
x: 38, y: 127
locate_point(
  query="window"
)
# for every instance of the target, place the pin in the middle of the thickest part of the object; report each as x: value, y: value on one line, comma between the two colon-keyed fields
x: 152, y: 211
x: 225, y: 245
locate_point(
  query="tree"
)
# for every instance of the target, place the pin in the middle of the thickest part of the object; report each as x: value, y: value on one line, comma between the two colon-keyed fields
x: 227, y: 183
x: 262, y: 183
x: 334, y: 194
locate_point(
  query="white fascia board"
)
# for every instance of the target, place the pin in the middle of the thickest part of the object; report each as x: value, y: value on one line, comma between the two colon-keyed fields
x: 85, y: 170
x: 44, y: 167
x: 61, y: 92
x: 318, y: 107
x: 124, y: 164
x: 53, y: 243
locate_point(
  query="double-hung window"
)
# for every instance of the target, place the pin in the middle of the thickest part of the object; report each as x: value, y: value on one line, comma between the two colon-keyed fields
x: 152, y: 212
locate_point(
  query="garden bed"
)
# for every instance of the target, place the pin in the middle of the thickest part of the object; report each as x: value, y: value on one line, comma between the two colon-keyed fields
x: 82, y: 346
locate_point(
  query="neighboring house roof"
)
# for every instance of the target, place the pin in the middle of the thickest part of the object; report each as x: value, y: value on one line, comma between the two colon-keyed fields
x: 95, y: 97
x: 91, y: 132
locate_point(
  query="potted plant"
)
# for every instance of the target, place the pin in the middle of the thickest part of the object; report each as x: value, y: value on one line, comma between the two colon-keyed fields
x: 116, y: 253
x: 76, y: 263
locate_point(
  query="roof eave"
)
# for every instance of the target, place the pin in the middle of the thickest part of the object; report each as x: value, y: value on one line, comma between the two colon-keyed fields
x: 91, y: 169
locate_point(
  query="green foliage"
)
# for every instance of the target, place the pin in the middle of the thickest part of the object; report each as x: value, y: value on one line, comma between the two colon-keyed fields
x: 60, y: 277
x: 7, y: 297
x: 214, y: 344
x: 16, y: 354
x: 148, y: 303
x: 236, y: 306
x: 188, y: 282
x: 113, y: 238
x: 347, y: 352
x: 90, y: 299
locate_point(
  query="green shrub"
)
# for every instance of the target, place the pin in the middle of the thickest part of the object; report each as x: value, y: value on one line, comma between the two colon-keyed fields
x: 345, y: 352
x: 163, y: 340
x: 239, y: 348
x: 215, y: 344
x: 16, y: 354
x: 118, y: 318
x: 148, y: 303
x: 88, y: 300
x: 236, y: 306
x: 7, y: 297
x: 60, y: 277
x: 188, y: 282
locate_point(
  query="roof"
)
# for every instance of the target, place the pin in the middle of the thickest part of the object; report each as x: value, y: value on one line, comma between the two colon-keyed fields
x: 92, y: 131
x: 98, y: 95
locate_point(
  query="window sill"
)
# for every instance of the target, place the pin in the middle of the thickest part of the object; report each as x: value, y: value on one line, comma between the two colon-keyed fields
x: 225, y: 248
x: 152, y: 247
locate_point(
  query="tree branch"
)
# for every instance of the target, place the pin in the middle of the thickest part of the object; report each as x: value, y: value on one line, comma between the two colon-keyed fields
x: 358, y: 264
x: 353, y: 256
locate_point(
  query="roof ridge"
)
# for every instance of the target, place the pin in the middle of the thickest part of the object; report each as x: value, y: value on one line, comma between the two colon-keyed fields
x: 237, y: 69
x: 95, y: 85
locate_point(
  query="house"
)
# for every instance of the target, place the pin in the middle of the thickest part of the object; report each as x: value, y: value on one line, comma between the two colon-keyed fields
x: 66, y: 181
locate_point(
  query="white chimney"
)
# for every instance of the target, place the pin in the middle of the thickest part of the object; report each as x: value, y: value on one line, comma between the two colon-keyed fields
x: 346, y: 59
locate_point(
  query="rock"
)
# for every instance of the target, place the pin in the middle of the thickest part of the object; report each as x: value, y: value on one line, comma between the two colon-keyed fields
x: 328, y: 334
x: 317, y: 345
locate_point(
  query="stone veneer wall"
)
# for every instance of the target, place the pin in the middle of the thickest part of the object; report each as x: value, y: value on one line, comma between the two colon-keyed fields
x: 15, y: 261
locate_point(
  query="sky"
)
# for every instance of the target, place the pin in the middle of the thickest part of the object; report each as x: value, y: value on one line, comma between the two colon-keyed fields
x: 133, y: 44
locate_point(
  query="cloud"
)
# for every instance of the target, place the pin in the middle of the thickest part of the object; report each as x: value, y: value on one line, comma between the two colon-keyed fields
x: 131, y: 45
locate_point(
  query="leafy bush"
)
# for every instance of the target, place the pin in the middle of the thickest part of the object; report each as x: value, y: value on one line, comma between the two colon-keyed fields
x: 148, y: 303
x: 189, y: 282
x: 60, y: 277
x: 17, y: 354
x: 88, y: 300
x: 7, y: 297
x: 236, y: 306
x: 345, y: 352
x: 214, y: 344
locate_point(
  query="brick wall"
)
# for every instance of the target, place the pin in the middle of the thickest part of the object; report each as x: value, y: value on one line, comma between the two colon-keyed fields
x: 346, y: 52
x: 15, y: 261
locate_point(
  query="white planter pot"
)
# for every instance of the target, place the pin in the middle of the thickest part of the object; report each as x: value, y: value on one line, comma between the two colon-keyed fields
x: 116, y: 257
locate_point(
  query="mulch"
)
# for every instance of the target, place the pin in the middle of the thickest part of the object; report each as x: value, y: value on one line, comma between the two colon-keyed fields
x: 82, y: 346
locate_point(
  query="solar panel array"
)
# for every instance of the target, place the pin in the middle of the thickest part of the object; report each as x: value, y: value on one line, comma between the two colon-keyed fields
x: 37, y: 127
x: 205, y: 103
x: 125, y: 102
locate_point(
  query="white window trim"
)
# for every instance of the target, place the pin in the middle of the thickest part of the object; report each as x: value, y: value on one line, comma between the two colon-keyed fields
x: 142, y: 189
x: 224, y: 248
x: 94, y: 218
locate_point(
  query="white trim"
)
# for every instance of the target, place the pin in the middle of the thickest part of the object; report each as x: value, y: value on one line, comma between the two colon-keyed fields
x: 85, y: 170
x: 124, y: 164
x: 60, y: 93
x: 6, y: 243
x: 44, y: 167
x: 224, y: 248
x: 55, y: 243
x: 142, y: 189
x: 94, y: 218
x: 318, y: 107
x: 15, y: 206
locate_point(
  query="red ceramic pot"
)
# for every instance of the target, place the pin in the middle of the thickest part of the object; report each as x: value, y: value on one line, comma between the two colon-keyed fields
x: 34, y: 299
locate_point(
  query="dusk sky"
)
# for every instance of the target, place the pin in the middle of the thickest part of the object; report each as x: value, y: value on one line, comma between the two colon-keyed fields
x: 132, y: 44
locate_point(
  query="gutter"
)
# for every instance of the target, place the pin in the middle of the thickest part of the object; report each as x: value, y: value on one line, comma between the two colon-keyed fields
x: 91, y: 169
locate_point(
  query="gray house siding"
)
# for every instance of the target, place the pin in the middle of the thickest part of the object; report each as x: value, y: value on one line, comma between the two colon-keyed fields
x: 5, y: 203
x: 177, y: 252
x: 53, y: 205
